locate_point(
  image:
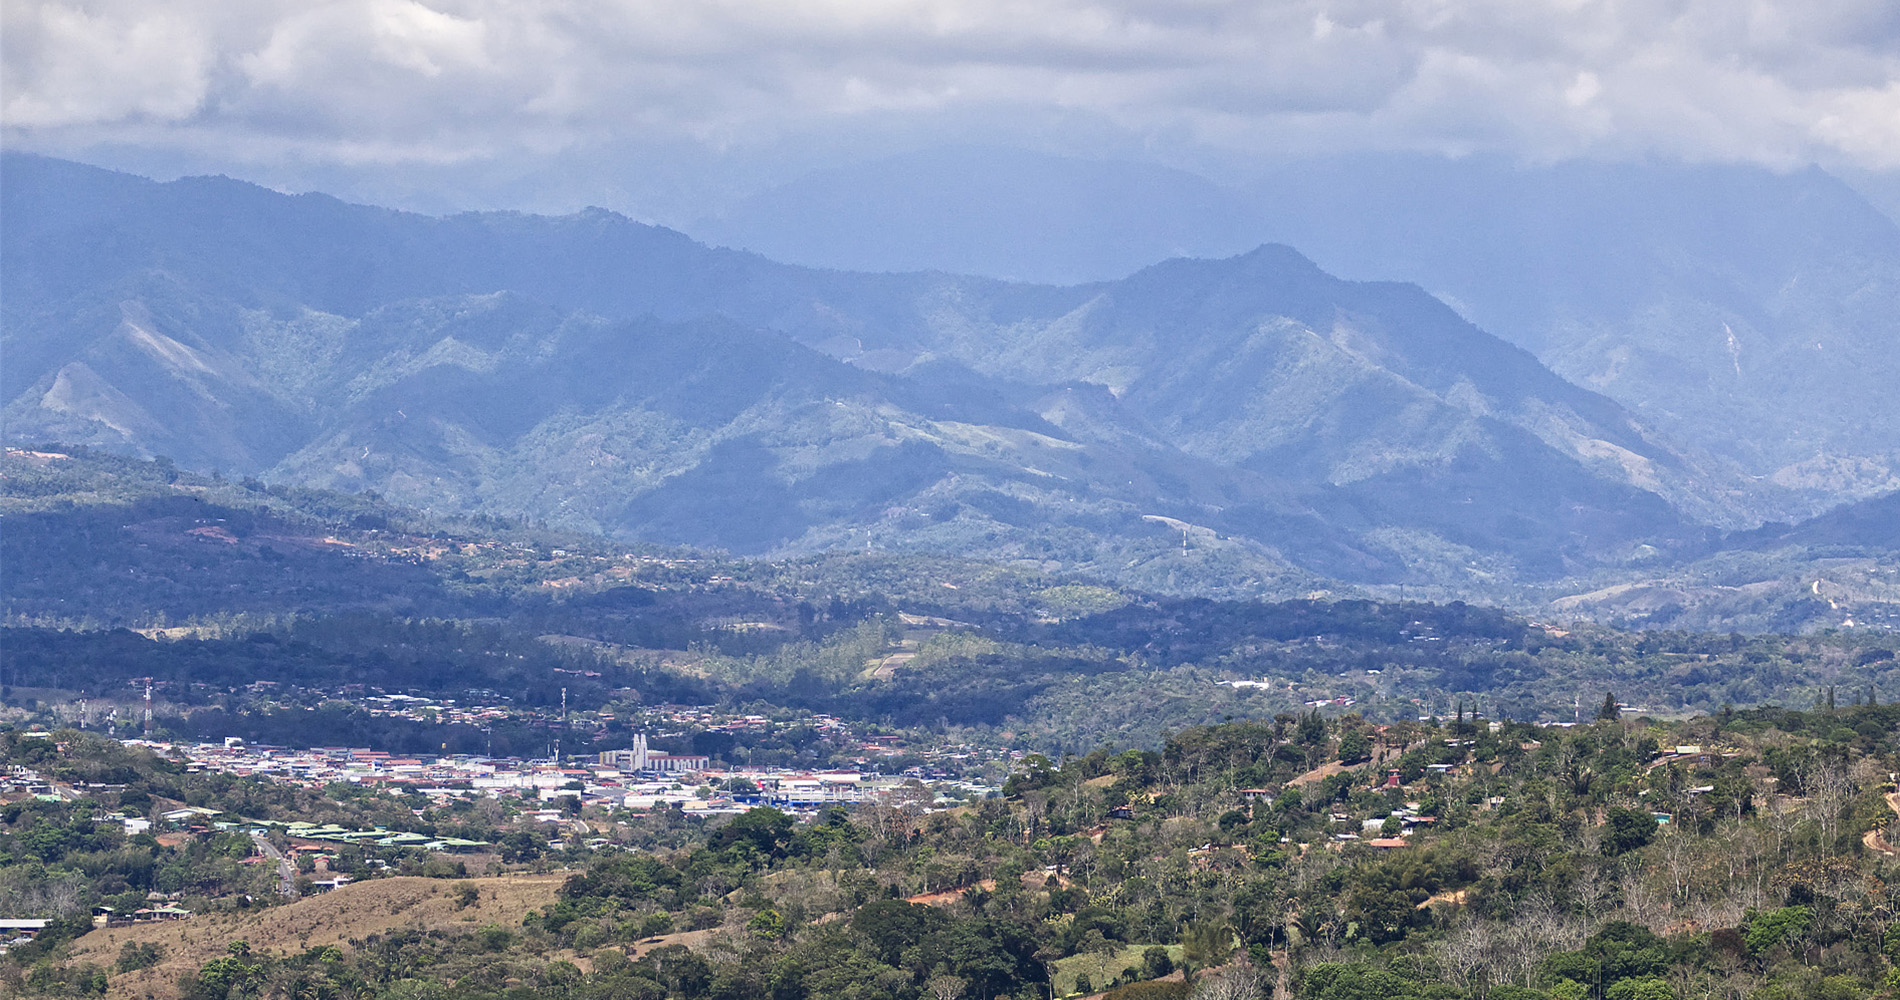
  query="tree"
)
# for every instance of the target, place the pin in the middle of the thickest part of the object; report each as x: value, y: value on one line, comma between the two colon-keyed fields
x: 1644, y: 988
x: 1627, y: 830
x: 1206, y: 943
x: 1104, y: 951
x: 1240, y: 981
x: 222, y: 979
x: 1619, y: 951
x: 1772, y: 927
x: 1353, y: 981
x: 768, y: 924
x: 1611, y: 711
x: 1355, y: 746
x: 766, y: 830
x: 1312, y: 731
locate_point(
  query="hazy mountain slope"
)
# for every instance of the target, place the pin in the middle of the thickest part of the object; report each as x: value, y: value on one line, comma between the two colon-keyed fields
x: 1871, y: 525
x: 1264, y: 362
x: 611, y: 375
x: 704, y: 432
x: 1740, y: 311
x: 1744, y: 313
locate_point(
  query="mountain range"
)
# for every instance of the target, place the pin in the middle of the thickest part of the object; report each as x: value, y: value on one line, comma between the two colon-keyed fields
x: 1248, y: 424
x: 1748, y: 313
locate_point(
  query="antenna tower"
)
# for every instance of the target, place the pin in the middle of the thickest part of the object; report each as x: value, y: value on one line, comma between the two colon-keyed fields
x: 148, y: 708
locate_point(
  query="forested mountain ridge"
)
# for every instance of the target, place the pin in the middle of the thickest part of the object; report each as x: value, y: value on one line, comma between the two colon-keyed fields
x: 610, y: 376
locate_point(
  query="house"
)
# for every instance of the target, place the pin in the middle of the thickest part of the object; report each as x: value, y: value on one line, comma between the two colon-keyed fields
x: 1388, y: 843
x: 180, y: 817
x: 20, y: 931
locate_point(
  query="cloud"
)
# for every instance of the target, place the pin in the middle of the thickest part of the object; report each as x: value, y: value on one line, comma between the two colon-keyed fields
x: 405, y: 82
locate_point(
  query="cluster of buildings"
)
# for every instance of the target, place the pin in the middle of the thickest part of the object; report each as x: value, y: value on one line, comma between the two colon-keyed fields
x: 637, y: 778
x: 17, y: 780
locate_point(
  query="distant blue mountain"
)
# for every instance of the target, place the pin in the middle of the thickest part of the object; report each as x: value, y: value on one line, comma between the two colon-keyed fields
x: 1749, y: 314
x: 1245, y: 424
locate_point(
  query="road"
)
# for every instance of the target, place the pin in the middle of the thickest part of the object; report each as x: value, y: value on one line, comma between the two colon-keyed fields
x: 1873, y: 839
x: 286, y: 874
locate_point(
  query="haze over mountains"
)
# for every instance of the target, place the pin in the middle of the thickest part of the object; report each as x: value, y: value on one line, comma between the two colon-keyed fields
x: 1744, y: 312
x: 598, y: 373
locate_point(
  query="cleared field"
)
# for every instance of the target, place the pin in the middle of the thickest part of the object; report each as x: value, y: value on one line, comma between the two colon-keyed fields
x: 1101, y: 967
x: 334, y: 918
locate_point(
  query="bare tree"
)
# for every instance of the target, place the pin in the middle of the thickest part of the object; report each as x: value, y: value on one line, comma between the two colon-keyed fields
x: 1239, y: 981
x: 1678, y: 851
x: 1641, y: 904
x: 1537, y: 929
x: 1466, y: 952
x: 1830, y: 789
x: 947, y: 987
x: 1593, y: 888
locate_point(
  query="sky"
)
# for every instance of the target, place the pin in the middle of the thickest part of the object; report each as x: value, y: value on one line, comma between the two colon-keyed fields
x: 662, y: 109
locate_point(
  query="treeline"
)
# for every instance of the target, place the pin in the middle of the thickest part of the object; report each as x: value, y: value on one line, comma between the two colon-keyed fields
x: 1113, y: 678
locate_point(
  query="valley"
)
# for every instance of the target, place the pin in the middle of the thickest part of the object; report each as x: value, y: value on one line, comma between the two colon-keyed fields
x: 493, y: 606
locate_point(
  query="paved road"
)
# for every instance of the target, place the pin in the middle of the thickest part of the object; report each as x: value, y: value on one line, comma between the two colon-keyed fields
x: 286, y: 874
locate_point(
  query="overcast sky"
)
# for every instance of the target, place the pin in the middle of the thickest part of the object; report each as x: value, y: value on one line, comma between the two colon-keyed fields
x: 631, y: 103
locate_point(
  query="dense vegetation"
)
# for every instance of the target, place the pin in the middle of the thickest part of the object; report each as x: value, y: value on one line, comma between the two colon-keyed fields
x: 320, y: 594
x: 1536, y: 863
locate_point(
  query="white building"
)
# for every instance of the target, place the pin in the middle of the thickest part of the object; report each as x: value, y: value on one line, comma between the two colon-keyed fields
x: 634, y: 758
